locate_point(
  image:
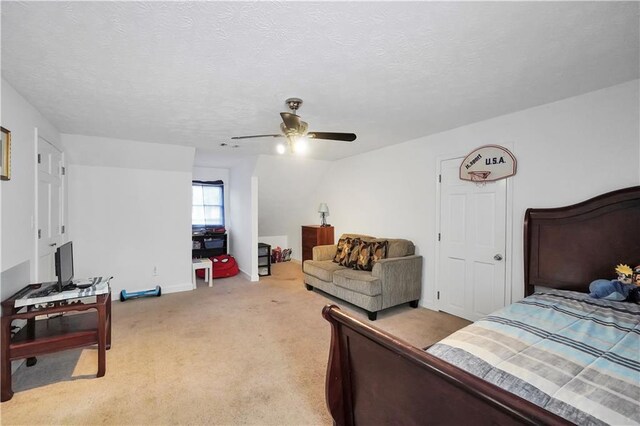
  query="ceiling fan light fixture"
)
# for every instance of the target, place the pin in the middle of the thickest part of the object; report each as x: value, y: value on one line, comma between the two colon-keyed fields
x: 296, y: 133
x: 300, y: 145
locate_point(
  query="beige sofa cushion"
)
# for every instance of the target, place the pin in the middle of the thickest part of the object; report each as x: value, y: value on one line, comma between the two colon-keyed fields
x: 321, y: 269
x: 359, y: 281
x: 398, y: 247
x: 358, y: 236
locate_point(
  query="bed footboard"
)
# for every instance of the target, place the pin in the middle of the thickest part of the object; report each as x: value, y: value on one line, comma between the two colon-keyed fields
x: 375, y: 378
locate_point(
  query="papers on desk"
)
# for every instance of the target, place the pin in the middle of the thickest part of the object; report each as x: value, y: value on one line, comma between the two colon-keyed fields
x: 102, y: 287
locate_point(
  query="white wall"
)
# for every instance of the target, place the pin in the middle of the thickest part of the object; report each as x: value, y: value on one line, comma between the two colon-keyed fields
x: 288, y: 197
x: 17, y: 234
x: 274, y: 240
x: 243, y: 216
x: 567, y: 151
x: 129, y: 222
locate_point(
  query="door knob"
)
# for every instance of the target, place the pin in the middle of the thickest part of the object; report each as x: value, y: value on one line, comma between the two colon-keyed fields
x: 498, y: 256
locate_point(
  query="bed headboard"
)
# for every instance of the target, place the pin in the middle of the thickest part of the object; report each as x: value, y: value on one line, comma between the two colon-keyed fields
x: 568, y: 247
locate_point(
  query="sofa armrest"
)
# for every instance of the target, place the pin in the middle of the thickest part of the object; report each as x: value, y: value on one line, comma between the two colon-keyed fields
x: 401, y: 279
x: 324, y: 252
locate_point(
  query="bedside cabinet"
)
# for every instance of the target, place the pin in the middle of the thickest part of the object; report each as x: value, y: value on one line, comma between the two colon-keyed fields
x: 315, y: 235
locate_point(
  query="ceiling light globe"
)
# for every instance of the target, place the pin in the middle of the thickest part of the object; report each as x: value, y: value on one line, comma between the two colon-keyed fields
x: 301, y: 145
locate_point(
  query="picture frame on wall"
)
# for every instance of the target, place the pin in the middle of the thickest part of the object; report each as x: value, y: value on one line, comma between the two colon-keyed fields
x: 5, y: 155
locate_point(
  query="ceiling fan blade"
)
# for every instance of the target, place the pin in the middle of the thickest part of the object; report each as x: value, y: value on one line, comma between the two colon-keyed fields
x: 257, y: 136
x: 347, y: 137
x: 292, y: 121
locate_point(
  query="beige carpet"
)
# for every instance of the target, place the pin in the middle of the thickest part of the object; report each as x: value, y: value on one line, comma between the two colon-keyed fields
x: 237, y: 353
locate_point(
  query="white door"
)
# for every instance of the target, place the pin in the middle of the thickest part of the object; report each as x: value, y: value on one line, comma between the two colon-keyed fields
x: 471, y: 270
x: 50, y: 208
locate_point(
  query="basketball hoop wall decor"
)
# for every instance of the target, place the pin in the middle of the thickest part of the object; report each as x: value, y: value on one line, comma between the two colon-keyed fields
x: 487, y: 164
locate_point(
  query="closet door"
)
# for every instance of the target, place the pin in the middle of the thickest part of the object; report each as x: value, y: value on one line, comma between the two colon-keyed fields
x: 50, y: 207
x: 471, y: 274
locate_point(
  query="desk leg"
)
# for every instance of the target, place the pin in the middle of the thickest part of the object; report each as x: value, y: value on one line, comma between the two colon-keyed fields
x: 210, y: 275
x: 102, y: 340
x: 5, y: 370
x: 31, y: 334
x: 109, y: 322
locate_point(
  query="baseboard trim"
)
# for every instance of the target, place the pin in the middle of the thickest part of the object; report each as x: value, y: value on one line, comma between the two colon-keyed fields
x: 292, y: 260
x: 429, y: 305
x: 245, y: 275
x: 177, y: 288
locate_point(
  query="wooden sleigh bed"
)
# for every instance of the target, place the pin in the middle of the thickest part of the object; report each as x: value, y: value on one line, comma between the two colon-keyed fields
x: 374, y: 378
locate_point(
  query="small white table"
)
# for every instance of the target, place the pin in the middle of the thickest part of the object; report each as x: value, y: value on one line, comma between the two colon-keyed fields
x: 205, y: 264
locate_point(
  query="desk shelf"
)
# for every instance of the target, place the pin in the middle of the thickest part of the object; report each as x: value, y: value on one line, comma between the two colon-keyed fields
x: 54, y: 334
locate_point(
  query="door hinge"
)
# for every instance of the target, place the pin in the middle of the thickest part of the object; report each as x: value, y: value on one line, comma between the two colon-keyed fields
x: 63, y: 171
x: 438, y: 295
x: 39, y: 233
x: 439, y: 178
x: 39, y: 158
x: 62, y: 229
x: 438, y: 236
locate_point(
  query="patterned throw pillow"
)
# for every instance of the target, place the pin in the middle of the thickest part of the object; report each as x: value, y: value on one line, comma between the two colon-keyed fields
x: 353, y: 253
x: 378, y: 251
x: 363, y: 263
x: 340, y: 249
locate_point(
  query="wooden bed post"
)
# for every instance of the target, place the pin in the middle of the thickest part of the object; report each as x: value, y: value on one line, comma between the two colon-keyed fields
x: 335, y: 394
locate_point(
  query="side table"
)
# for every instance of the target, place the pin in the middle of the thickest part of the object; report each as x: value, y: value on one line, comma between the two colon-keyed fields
x: 314, y: 235
x: 205, y: 264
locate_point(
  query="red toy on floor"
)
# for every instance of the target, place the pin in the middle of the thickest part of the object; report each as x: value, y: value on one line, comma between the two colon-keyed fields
x: 224, y: 266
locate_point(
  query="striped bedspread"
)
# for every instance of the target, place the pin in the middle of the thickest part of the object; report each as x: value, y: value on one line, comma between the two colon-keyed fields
x: 575, y: 356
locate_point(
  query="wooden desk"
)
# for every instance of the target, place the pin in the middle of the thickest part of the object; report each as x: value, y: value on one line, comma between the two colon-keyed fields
x: 54, y: 334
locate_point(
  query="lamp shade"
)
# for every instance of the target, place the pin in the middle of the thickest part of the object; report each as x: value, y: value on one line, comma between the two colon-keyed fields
x: 323, y: 208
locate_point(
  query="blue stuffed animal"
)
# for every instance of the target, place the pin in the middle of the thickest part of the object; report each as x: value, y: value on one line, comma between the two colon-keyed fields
x: 619, y: 289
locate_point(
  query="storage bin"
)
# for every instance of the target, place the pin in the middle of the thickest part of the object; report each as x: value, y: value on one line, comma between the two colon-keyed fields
x: 210, y: 243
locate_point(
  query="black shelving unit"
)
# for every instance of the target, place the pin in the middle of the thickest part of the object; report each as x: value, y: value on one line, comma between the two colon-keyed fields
x: 264, y: 259
x: 208, y: 245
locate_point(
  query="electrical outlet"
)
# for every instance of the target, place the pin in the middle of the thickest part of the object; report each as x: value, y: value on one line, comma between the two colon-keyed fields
x: 155, y: 271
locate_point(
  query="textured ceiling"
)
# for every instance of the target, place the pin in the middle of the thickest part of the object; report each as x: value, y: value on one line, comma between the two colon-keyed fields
x: 197, y: 73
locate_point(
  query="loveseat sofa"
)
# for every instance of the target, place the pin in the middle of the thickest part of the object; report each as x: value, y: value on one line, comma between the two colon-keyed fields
x: 393, y: 280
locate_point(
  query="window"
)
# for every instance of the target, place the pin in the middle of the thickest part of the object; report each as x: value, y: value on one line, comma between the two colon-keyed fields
x: 208, y: 205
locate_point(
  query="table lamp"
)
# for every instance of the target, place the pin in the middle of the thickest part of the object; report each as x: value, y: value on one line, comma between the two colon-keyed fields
x: 324, y: 212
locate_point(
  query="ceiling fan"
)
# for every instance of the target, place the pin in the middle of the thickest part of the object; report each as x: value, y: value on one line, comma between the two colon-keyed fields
x: 295, y: 130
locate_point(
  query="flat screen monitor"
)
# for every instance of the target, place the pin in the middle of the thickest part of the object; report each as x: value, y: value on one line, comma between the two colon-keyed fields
x: 64, y: 265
